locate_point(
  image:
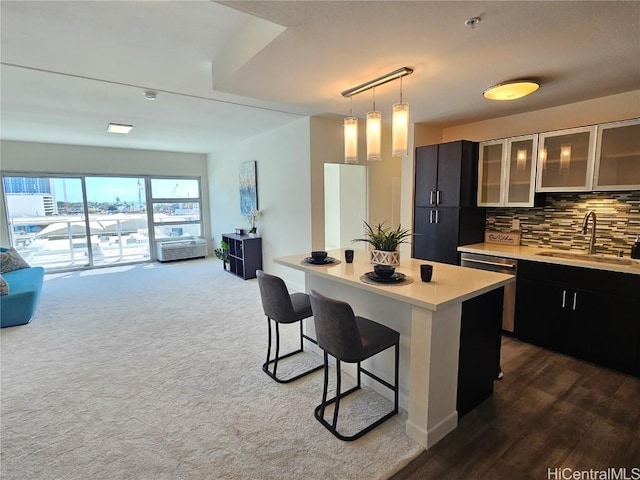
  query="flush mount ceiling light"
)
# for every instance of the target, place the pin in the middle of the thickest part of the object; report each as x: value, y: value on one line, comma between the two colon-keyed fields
x: 119, y: 128
x: 511, y: 90
x: 150, y: 94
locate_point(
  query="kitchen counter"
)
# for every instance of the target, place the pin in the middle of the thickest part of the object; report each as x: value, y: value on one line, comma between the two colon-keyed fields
x: 428, y: 317
x: 540, y: 254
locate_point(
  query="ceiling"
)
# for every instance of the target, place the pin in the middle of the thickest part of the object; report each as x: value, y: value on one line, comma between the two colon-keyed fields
x: 225, y: 71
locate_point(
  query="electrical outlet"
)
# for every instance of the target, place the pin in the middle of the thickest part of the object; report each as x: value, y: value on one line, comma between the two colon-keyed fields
x: 515, y: 224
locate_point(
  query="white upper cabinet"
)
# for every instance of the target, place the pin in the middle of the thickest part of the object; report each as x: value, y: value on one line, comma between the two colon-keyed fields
x: 506, y: 172
x: 566, y: 160
x: 617, y: 165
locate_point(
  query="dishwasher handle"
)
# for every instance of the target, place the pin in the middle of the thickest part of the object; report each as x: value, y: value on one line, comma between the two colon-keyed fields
x: 493, y: 264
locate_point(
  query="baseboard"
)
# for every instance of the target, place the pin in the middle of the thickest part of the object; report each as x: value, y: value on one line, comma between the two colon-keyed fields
x: 428, y: 438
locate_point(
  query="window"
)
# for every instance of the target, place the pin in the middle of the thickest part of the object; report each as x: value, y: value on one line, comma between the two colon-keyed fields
x: 85, y: 221
x: 176, y: 208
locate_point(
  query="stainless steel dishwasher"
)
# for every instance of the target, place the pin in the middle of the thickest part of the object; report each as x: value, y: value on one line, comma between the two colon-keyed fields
x: 500, y: 265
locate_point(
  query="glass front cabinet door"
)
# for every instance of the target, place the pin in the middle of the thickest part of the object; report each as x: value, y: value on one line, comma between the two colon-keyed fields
x: 522, y: 154
x: 565, y: 160
x: 490, y: 174
x: 506, y: 174
x: 618, y: 156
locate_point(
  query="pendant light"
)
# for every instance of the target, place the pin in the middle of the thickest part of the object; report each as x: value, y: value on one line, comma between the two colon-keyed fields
x: 374, y: 133
x: 400, y: 127
x: 400, y: 122
x: 351, y: 136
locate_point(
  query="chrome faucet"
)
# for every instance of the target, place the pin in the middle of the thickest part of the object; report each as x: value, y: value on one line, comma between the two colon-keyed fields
x: 585, y: 223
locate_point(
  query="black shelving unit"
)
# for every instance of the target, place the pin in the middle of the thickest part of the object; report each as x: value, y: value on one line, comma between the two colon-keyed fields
x: 245, y: 254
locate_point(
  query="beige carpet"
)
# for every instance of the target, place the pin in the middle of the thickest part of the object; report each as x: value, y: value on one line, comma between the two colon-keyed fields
x: 153, y: 372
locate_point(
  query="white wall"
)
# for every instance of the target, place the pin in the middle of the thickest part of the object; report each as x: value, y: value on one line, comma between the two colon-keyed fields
x: 345, y: 204
x: 327, y: 146
x: 284, y: 193
x: 46, y: 158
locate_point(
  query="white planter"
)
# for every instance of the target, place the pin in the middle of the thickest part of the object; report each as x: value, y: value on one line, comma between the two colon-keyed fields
x: 380, y: 257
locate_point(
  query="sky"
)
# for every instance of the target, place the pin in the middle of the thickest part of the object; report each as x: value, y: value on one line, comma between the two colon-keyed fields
x: 107, y: 189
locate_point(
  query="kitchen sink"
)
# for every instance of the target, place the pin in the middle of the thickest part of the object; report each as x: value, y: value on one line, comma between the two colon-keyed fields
x: 590, y: 258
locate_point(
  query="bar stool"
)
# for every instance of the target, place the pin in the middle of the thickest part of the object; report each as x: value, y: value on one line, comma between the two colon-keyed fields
x: 280, y: 307
x: 350, y: 339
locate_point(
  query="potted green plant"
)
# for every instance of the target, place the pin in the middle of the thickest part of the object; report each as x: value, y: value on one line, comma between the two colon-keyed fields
x: 223, y: 253
x: 385, y: 241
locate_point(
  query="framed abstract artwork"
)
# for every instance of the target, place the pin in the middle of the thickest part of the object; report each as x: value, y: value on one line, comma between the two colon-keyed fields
x: 248, y: 188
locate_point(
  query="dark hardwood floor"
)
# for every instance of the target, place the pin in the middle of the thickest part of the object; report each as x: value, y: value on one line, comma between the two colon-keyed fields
x: 549, y: 411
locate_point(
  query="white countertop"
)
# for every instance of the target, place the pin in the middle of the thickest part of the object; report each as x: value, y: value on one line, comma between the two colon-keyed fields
x: 534, y: 254
x: 450, y: 284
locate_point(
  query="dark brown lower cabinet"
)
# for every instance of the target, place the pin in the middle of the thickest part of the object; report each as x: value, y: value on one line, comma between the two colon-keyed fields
x: 588, y: 313
x: 479, y: 357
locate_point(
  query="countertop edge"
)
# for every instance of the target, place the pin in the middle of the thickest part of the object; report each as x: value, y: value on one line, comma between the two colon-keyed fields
x: 533, y: 254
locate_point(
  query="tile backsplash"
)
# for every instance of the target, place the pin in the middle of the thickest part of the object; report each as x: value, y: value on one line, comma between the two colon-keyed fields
x: 559, y: 223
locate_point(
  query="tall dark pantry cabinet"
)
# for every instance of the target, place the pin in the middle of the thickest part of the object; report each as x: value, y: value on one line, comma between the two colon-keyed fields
x: 445, y: 217
x: 445, y: 213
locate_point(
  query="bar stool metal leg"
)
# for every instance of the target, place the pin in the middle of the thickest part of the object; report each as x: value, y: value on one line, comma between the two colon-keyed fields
x: 274, y: 362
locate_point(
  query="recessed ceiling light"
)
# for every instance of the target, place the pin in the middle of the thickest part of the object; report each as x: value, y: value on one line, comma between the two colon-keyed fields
x: 511, y: 90
x: 150, y: 94
x: 119, y: 128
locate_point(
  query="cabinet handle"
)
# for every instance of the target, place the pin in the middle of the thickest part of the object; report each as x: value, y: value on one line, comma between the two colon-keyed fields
x: 495, y: 264
x: 437, y: 216
x: 564, y: 298
x: 431, y: 197
x: 431, y: 216
x: 437, y: 197
x: 575, y: 300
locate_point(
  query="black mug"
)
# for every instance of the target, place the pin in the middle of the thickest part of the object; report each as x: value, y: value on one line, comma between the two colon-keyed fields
x: 348, y: 256
x: 426, y: 271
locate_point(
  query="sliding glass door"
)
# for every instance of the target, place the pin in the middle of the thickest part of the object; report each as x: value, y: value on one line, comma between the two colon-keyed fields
x: 47, y: 221
x: 117, y: 219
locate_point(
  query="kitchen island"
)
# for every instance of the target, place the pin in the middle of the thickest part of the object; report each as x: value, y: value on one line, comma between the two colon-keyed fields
x: 429, y: 317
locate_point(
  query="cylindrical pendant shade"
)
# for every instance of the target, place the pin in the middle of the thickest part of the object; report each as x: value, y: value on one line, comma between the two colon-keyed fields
x: 374, y: 136
x: 400, y: 130
x: 351, y: 140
